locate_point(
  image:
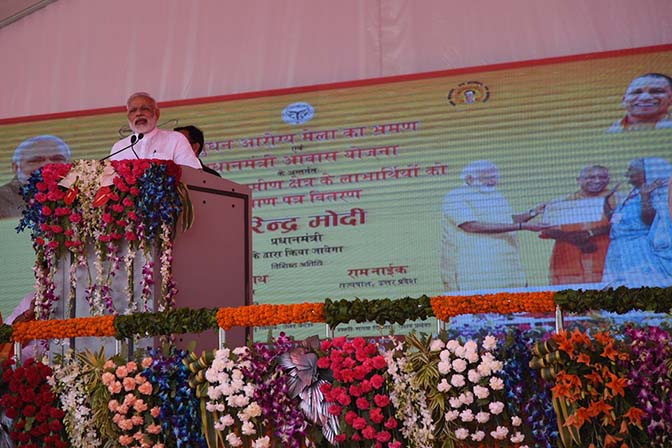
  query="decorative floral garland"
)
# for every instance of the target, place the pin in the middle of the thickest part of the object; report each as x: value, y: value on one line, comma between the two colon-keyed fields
x: 267, y: 315
x: 446, y: 307
x: 104, y: 205
x: 334, y: 312
x: 62, y: 329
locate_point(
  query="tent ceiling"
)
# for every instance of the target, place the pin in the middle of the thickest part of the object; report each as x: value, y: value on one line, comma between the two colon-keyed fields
x: 13, y: 10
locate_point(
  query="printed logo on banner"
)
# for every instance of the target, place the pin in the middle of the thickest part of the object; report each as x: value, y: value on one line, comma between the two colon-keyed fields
x: 469, y: 92
x: 298, y: 113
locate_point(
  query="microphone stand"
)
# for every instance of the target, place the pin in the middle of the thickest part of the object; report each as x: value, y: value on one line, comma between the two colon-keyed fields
x: 134, y: 140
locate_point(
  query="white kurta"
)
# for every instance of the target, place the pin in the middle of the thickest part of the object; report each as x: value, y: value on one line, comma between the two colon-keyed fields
x: 159, y: 144
x: 477, y: 261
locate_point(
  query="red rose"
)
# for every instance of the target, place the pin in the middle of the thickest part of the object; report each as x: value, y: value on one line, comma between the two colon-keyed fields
x: 376, y: 415
x: 56, y: 229
x: 383, y: 436
x: 75, y: 218
x: 29, y: 410
x: 377, y: 381
x: 135, y: 191
x: 41, y: 186
x: 350, y: 417
x: 369, y: 433
x: 323, y: 363
x: 339, y: 341
x: 46, y: 211
x: 55, y: 426
x: 335, y: 409
x: 362, y: 403
x: 40, y: 197
x: 359, y: 423
x: 340, y: 438
x: 55, y: 195
x: 107, y: 218
x: 379, y: 362
x: 117, y: 208
x: 381, y: 400
x: 391, y: 423
x: 53, y: 245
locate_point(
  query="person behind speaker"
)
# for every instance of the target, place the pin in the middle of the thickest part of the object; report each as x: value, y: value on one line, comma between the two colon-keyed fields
x: 197, y: 142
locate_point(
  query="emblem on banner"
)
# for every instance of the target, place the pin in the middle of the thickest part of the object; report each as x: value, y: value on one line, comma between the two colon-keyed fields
x: 298, y: 113
x: 469, y: 92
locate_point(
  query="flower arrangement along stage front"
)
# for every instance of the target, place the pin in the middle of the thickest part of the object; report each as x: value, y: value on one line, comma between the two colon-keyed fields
x: 417, y: 391
x: 106, y: 206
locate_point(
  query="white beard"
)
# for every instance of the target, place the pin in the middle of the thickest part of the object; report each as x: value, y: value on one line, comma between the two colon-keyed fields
x: 483, y: 188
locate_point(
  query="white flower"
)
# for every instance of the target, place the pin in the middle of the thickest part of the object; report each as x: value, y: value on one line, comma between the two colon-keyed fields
x: 481, y: 392
x: 459, y: 365
x: 482, y: 417
x: 466, y: 398
x: 496, y: 407
x: 474, y: 376
x: 490, y: 343
x: 455, y: 402
x: 472, y: 357
x: 500, y: 433
x: 457, y: 380
x: 452, y: 415
x: 452, y: 345
x: 445, y: 355
x: 460, y: 351
x: 222, y: 353
x: 436, y: 345
x: 226, y: 420
x: 443, y: 386
x: 248, y: 429
x: 444, y: 367
x: 461, y: 433
x: 516, y: 421
x: 252, y: 410
x: 240, y: 350
x: 264, y: 442
x: 471, y: 346
x: 467, y: 416
x: 496, y: 383
x: 478, y: 436
x: 233, y: 439
x: 517, y: 437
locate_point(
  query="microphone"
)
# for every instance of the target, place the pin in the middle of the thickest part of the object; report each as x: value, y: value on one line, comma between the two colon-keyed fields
x: 134, y: 140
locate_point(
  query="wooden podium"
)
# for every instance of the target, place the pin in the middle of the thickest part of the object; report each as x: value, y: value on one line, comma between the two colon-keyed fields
x: 213, y: 260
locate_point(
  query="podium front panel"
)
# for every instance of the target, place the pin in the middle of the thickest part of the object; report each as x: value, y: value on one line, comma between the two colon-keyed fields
x: 213, y: 259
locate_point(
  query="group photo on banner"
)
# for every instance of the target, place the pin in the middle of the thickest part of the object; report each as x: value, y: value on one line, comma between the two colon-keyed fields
x: 468, y: 258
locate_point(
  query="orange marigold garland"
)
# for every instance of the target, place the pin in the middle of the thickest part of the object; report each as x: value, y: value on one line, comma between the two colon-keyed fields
x: 269, y: 315
x: 62, y: 329
x: 445, y: 307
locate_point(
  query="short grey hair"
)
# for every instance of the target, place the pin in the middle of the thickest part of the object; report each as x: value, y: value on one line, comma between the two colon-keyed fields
x: 28, y: 143
x: 475, y: 168
x: 139, y: 95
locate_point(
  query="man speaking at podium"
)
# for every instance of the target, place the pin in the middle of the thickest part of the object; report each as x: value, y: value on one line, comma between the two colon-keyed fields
x: 148, y: 141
